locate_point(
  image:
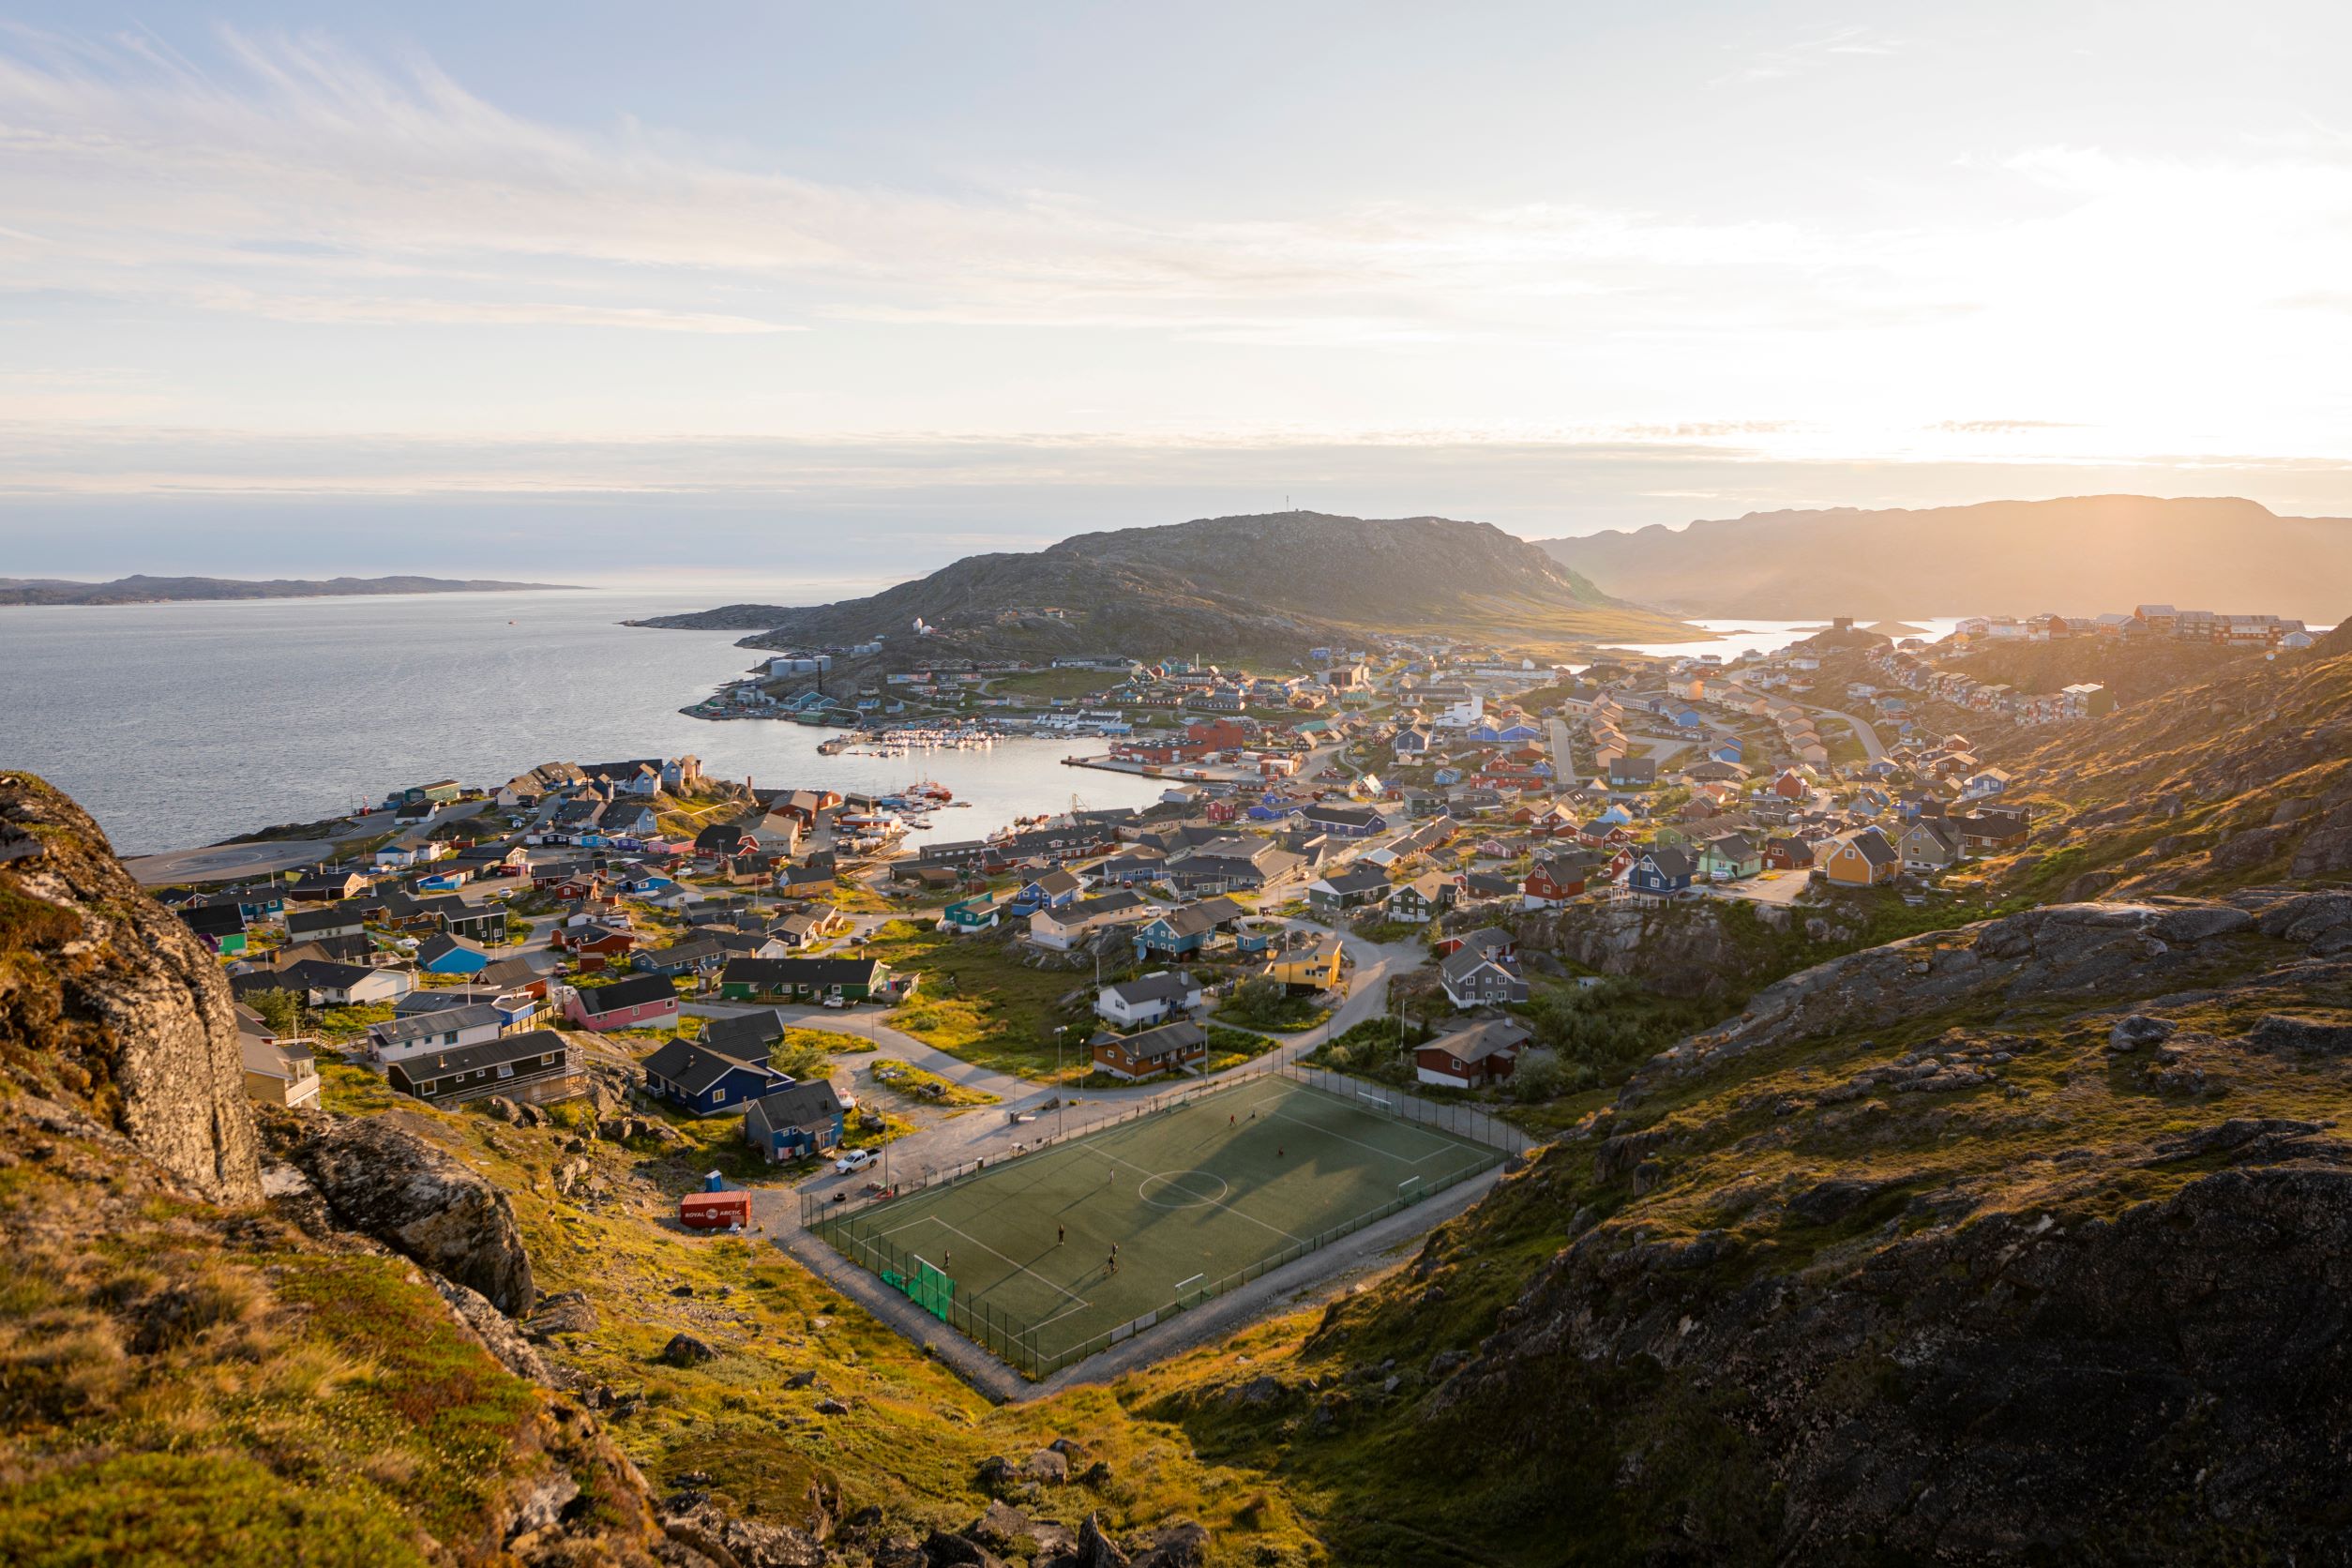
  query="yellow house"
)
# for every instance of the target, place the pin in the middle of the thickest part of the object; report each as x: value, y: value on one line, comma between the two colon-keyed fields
x: 1862, y: 859
x: 1311, y: 969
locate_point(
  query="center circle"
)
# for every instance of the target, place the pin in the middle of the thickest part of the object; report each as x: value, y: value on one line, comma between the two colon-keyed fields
x: 1181, y: 1189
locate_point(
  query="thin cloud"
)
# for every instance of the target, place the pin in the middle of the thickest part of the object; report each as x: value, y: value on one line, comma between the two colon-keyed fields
x: 1790, y: 59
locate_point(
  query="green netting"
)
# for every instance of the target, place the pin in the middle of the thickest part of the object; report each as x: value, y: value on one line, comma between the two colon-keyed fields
x: 932, y: 1291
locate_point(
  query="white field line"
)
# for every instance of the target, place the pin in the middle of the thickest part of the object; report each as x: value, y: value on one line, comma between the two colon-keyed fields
x: 1067, y: 1294
x: 1386, y: 1154
x: 1214, y: 1203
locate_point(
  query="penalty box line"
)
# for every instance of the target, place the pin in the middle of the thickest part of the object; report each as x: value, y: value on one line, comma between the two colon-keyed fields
x: 1079, y: 1301
x: 1442, y: 1147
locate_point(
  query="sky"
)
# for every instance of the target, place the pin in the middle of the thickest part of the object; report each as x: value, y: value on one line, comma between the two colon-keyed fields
x: 830, y: 295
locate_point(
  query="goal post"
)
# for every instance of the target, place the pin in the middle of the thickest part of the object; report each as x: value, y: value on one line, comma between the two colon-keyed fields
x: 929, y: 1288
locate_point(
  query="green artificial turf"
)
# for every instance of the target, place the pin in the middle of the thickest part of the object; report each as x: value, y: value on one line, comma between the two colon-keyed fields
x: 1196, y: 1198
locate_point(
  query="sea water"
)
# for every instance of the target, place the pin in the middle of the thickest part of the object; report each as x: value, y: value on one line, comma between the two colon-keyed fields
x: 181, y: 724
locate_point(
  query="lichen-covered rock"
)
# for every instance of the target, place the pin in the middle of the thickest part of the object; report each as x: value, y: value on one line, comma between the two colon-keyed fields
x: 2015, y: 1388
x: 109, y: 1000
x: 695, y: 1522
x: 2062, y: 950
x: 388, y: 1183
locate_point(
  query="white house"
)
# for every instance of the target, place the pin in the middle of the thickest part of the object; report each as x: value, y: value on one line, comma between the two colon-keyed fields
x: 1154, y: 999
x: 397, y: 1039
x: 1464, y: 714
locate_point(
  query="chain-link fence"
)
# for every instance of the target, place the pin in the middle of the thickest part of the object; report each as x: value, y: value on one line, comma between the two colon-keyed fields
x: 855, y: 1228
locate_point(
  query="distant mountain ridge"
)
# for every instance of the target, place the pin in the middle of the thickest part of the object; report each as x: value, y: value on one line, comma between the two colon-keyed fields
x: 1226, y: 587
x: 2076, y: 555
x: 141, y: 589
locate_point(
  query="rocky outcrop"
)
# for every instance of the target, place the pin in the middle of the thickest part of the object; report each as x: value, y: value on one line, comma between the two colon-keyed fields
x: 108, y: 1000
x: 2167, y: 1385
x: 1682, y: 949
x: 721, y: 1539
x: 388, y: 1183
x: 2063, y: 950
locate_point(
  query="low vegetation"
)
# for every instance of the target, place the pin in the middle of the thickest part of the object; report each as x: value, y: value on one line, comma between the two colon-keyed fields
x: 977, y: 1001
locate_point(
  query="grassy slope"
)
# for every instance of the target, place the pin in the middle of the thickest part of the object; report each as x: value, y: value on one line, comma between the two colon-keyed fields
x: 2181, y: 793
x: 187, y: 1385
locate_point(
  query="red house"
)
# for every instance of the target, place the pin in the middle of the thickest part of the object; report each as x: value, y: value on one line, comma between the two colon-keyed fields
x: 641, y: 1002
x: 593, y: 938
x: 1785, y: 853
x: 1482, y: 1053
x: 1221, y: 735
x: 1553, y: 882
x: 1792, y: 785
x: 716, y: 1211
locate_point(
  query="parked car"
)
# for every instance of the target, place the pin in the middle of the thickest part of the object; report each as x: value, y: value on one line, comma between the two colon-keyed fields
x: 856, y: 1159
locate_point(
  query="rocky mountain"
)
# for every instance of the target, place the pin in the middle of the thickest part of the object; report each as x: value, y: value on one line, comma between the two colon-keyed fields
x: 1236, y: 586
x: 2078, y: 556
x: 158, y: 590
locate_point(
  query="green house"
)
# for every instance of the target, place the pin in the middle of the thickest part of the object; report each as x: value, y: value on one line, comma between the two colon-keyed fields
x: 804, y: 979
x: 973, y: 914
x: 1730, y: 854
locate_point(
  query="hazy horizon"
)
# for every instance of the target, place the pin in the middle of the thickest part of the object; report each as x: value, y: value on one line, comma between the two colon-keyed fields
x: 829, y: 293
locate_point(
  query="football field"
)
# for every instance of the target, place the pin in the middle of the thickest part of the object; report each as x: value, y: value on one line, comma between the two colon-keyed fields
x: 1042, y: 1254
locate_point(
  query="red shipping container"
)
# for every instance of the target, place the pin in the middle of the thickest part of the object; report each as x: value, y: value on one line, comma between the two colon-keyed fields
x: 714, y: 1211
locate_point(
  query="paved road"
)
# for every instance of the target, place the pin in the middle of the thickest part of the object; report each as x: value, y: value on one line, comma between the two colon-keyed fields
x: 1872, y: 750
x: 987, y: 1131
x: 228, y: 862
x: 1563, y: 769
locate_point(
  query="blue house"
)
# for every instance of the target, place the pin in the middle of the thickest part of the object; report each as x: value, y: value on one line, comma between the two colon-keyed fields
x: 1516, y: 733
x: 1268, y: 811
x: 256, y: 903
x: 1729, y: 750
x: 1178, y: 933
x: 1660, y: 872
x: 800, y: 1120
x: 1686, y: 718
x: 704, y: 1081
x: 444, y: 882
x: 443, y: 954
x: 1345, y: 822
x: 1446, y: 775
x: 1259, y: 940
x: 1050, y: 891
